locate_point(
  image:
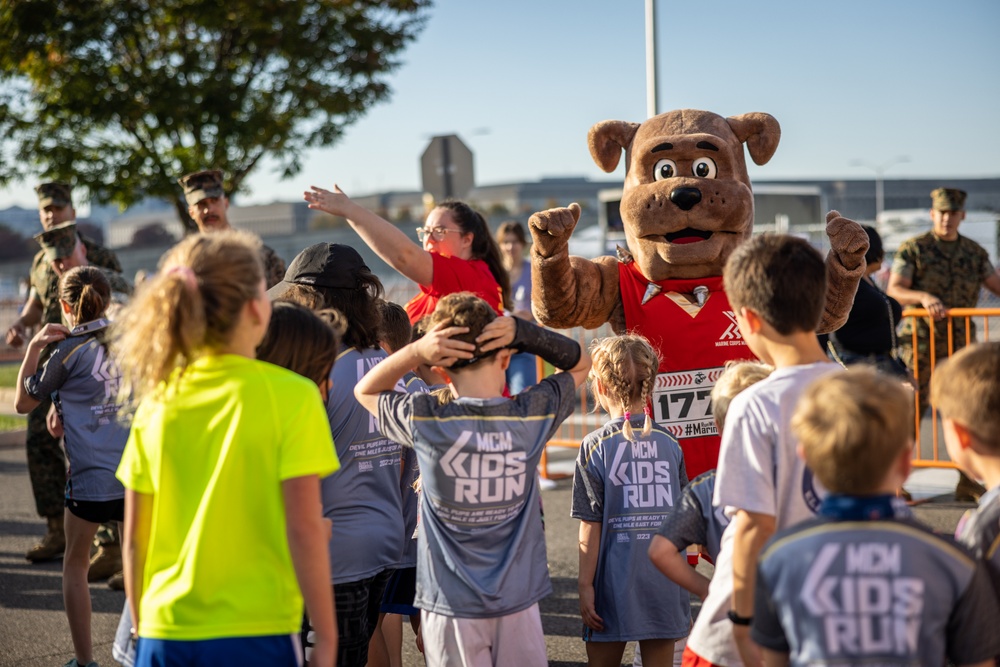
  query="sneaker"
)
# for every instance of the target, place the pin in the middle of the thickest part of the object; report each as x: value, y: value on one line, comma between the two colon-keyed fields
x: 117, y: 581
x: 105, y: 562
x: 52, y: 545
x: 75, y: 663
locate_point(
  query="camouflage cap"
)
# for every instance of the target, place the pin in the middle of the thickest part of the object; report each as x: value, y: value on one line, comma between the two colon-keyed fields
x: 58, y: 242
x: 58, y: 194
x: 202, y: 185
x: 948, y: 199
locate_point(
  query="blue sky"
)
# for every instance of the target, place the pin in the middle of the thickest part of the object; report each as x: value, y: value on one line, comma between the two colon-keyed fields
x: 849, y: 80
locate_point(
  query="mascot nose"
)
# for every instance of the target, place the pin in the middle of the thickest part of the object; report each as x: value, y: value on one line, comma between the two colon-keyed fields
x: 685, y: 198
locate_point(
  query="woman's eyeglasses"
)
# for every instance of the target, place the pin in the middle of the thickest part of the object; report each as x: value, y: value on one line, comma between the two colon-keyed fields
x: 437, y: 233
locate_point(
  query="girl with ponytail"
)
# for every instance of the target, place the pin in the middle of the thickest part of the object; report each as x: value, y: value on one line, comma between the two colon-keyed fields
x: 224, y: 534
x: 83, y: 381
x: 629, y: 475
x: 459, y: 253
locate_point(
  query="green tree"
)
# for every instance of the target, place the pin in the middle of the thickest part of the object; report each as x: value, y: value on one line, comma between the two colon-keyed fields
x: 124, y: 96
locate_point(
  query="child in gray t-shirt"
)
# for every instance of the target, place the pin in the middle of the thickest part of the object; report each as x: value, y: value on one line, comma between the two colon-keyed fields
x: 861, y: 583
x: 83, y: 380
x: 481, y: 565
x: 629, y: 476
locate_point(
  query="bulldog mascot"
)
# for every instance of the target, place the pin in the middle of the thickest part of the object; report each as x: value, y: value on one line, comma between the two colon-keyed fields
x: 686, y: 203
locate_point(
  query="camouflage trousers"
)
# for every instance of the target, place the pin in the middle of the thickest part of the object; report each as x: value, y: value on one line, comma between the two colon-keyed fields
x: 47, y: 471
x: 922, y: 358
x: 46, y: 464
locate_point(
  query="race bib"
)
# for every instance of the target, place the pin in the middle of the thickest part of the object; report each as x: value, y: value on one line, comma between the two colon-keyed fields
x: 682, y: 402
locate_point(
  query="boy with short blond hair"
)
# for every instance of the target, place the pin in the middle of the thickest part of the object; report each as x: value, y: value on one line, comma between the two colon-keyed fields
x: 966, y: 390
x: 864, y: 583
x: 776, y: 285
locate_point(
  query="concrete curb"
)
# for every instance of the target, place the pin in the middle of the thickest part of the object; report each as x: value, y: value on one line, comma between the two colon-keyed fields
x: 10, y: 438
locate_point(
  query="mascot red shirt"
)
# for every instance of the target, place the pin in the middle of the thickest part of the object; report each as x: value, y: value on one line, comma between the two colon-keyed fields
x: 686, y: 204
x: 702, y: 338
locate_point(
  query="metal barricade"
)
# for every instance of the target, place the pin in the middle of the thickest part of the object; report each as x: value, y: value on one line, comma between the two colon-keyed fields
x: 937, y: 457
x: 585, y: 419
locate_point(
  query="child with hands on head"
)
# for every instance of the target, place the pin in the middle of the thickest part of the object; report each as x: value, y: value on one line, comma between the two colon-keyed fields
x: 87, y: 403
x: 482, y: 567
x: 629, y: 475
x: 224, y: 534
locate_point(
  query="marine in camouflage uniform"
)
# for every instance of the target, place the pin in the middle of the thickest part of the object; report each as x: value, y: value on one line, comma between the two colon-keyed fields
x: 952, y: 271
x: 937, y: 270
x: 46, y: 461
x: 208, y: 206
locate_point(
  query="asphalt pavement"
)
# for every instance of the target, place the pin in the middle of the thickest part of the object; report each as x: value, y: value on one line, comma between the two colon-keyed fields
x: 34, y: 631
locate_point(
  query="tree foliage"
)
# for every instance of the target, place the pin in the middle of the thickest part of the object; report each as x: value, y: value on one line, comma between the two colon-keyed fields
x: 124, y: 96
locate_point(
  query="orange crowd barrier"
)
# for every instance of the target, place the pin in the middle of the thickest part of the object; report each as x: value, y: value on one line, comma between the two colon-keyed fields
x: 971, y: 316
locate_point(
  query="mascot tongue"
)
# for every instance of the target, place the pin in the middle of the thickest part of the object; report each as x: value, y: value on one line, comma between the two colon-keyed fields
x: 688, y: 235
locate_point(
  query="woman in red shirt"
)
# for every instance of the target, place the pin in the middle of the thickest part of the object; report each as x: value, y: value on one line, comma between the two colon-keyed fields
x: 458, y: 255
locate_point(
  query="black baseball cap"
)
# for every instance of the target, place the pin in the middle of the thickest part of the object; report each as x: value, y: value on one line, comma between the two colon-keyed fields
x: 322, y: 265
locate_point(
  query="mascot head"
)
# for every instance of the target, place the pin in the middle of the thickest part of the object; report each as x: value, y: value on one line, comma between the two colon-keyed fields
x: 686, y: 201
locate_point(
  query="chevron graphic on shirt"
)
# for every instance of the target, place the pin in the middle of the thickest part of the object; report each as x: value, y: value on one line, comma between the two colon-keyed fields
x: 105, y: 370
x: 684, y: 303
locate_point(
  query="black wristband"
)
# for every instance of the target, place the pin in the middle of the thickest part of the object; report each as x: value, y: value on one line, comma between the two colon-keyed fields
x: 739, y: 620
x: 558, y: 350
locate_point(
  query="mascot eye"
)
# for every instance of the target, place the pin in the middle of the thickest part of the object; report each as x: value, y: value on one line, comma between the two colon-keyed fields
x: 664, y: 169
x: 704, y: 167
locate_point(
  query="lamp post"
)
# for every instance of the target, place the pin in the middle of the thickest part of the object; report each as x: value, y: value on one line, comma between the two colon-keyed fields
x: 652, y: 92
x: 880, y: 170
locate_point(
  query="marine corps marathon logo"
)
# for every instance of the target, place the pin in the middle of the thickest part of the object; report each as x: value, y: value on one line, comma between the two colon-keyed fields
x: 732, y: 335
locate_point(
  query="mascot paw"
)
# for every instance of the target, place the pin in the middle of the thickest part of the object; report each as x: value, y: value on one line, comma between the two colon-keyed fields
x: 551, y: 229
x: 847, y: 240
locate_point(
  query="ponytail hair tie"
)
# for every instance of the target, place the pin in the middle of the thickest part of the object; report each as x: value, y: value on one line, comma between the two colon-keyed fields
x: 628, y: 415
x: 647, y: 425
x: 185, y: 274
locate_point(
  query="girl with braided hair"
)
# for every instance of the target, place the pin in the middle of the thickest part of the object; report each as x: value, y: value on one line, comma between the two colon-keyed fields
x: 629, y: 474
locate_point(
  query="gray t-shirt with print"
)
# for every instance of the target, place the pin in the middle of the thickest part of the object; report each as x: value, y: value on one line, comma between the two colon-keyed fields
x: 363, y: 498
x: 84, y: 380
x: 408, y: 478
x: 629, y: 488
x: 481, y: 544
x: 693, y: 520
x: 881, y: 592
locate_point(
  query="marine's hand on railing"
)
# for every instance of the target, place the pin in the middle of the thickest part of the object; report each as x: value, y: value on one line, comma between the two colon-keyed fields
x: 934, y: 306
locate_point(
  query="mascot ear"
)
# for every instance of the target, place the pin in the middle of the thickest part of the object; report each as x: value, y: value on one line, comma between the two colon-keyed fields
x: 608, y: 139
x: 760, y: 132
